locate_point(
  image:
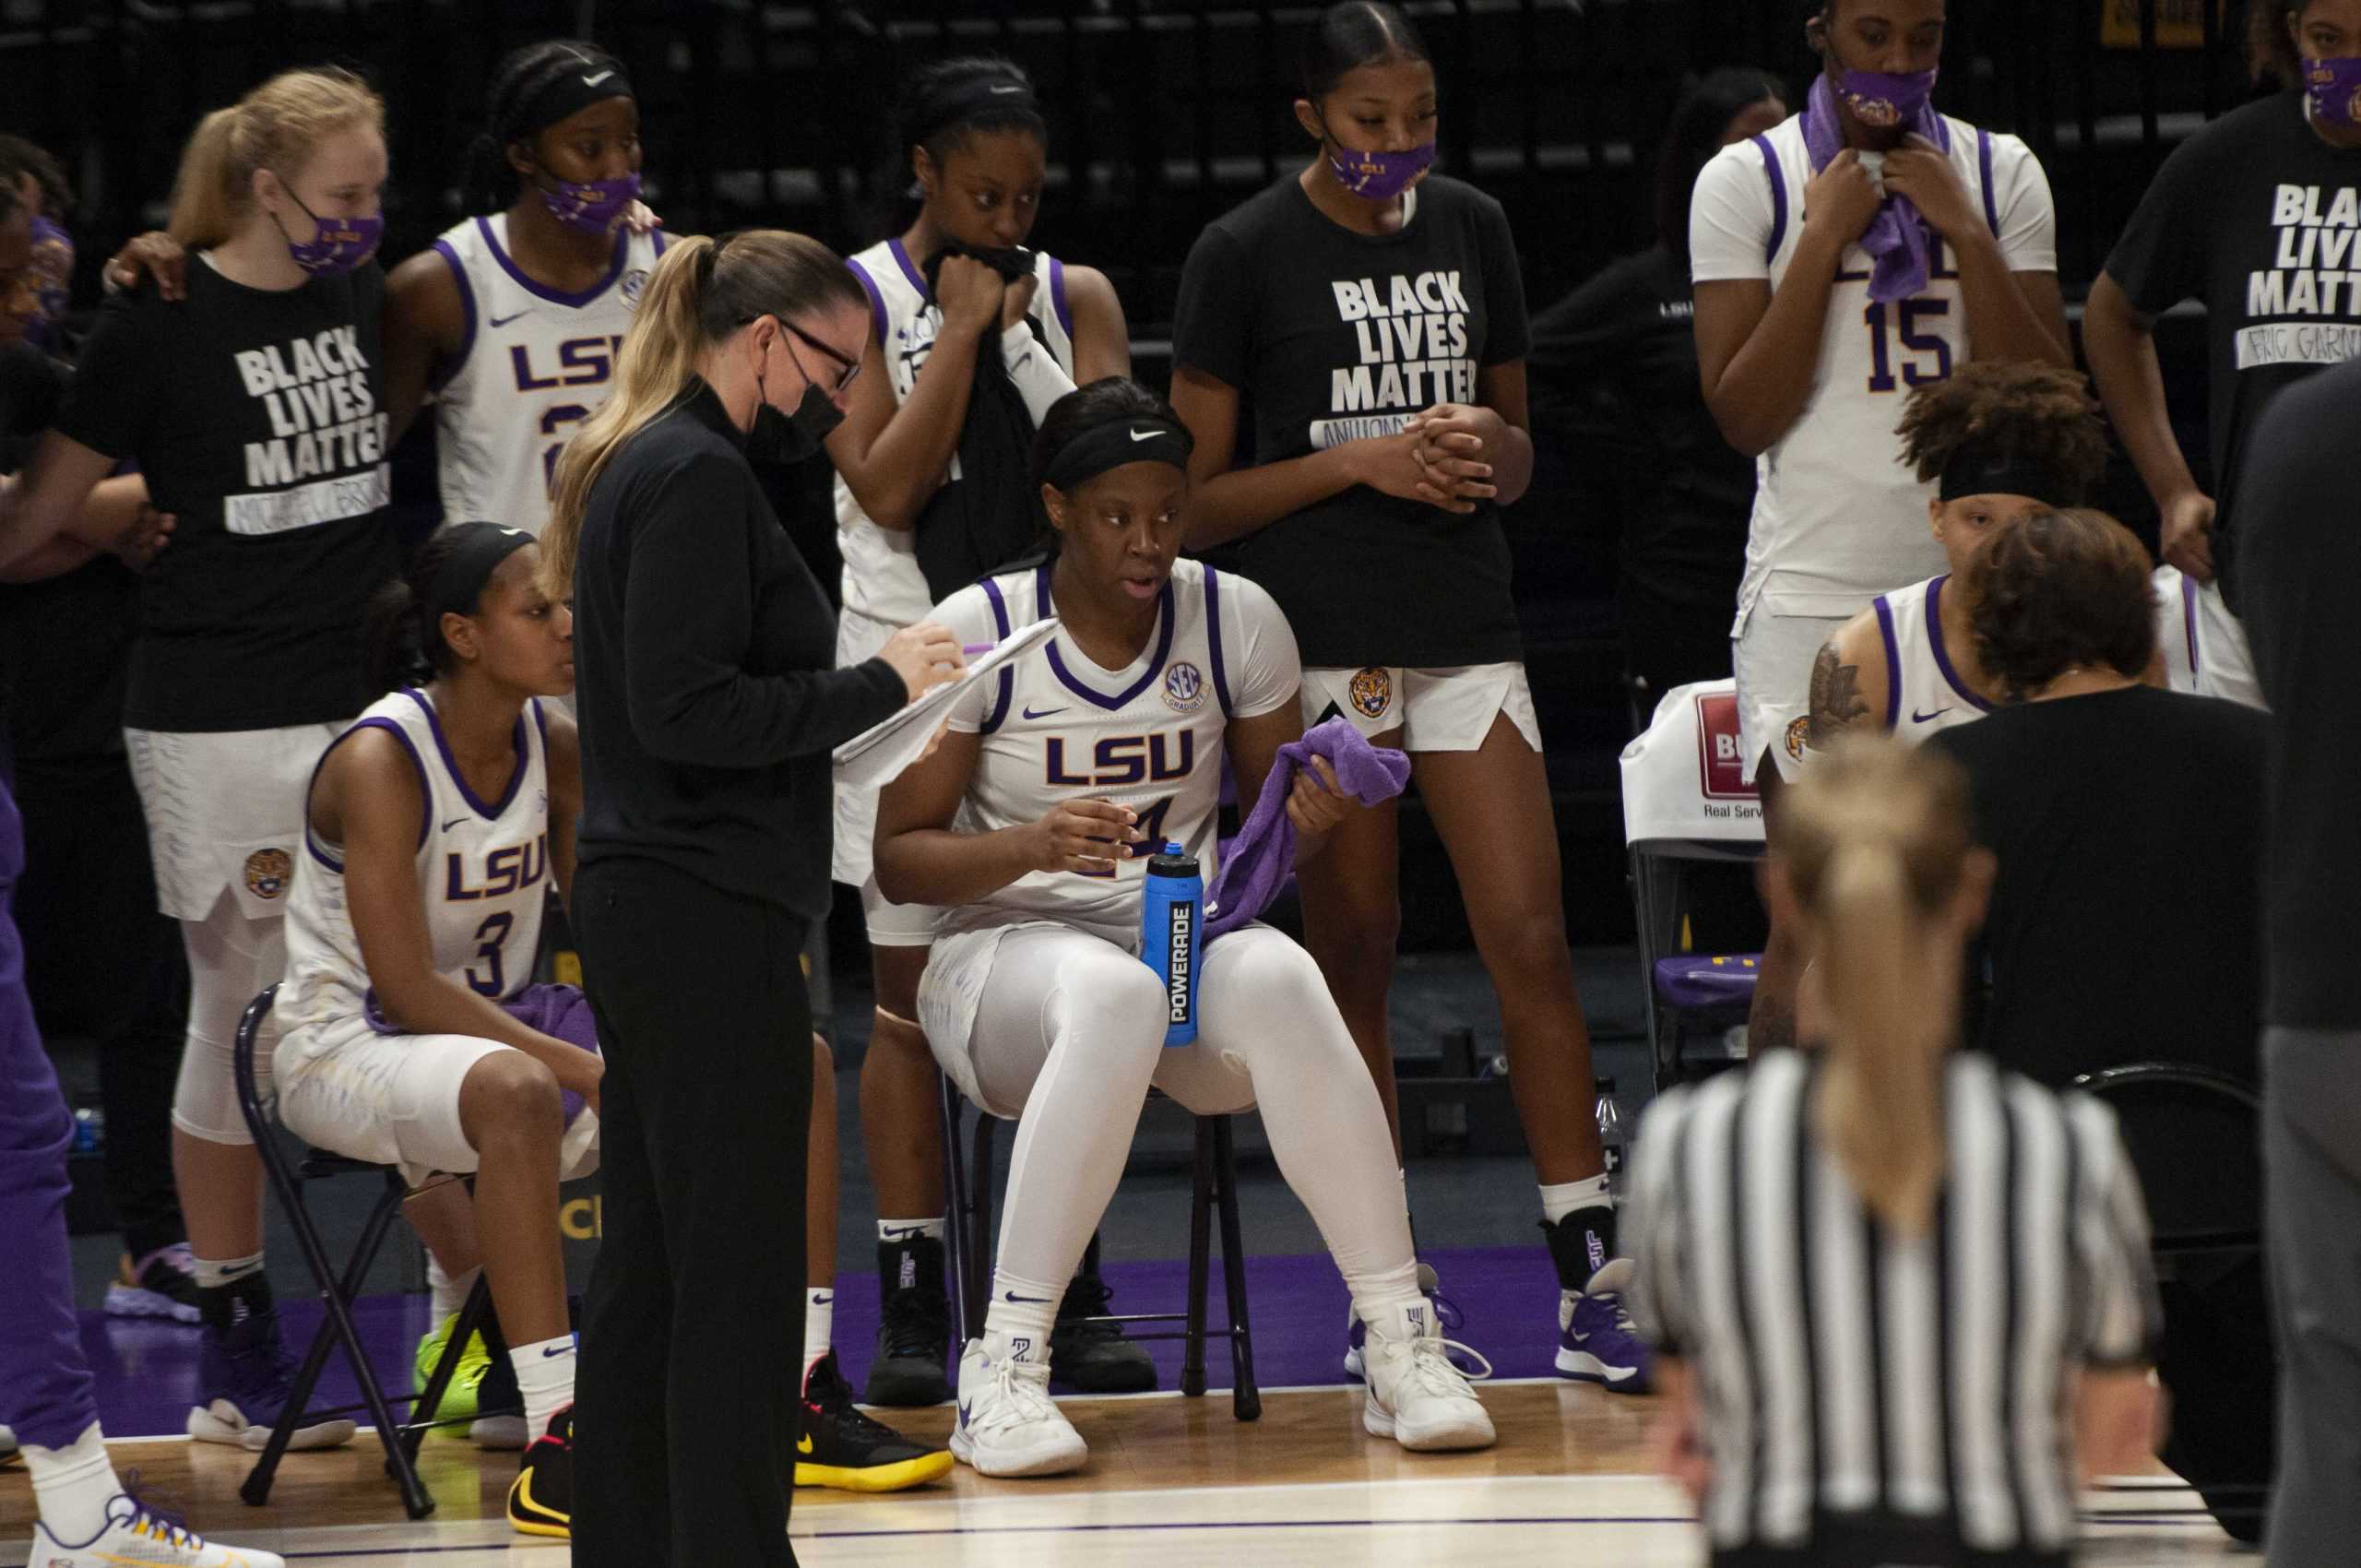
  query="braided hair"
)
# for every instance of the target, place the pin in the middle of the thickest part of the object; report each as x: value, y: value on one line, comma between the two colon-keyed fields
x: 490, y: 183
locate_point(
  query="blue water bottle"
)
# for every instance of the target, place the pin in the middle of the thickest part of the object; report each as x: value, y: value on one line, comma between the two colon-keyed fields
x: 1172, y: 913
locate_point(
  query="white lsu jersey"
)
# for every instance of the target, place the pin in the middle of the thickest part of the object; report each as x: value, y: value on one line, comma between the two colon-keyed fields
x: 1821, y: 543
x: 883, y: 584
x: 1924, y: 693
x: 1056, y: 727
x: 534, y: 364
x: 483, y: 867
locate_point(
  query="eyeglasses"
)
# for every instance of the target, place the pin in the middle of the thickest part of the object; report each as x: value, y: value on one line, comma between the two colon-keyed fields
x: 851, y: 367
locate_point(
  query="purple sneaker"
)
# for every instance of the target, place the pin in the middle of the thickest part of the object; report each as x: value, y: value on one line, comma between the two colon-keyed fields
x: 1597, y: 1340
x: 162, y: 1284
x: 246, y: 1372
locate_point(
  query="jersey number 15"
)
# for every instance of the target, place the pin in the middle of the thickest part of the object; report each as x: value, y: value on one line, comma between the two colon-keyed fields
x: 1928, y: 353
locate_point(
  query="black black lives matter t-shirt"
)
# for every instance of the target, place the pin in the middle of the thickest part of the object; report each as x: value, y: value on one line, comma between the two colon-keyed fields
x: 258, y: 419
x: 1330, y: 336
x: 2259, y: 218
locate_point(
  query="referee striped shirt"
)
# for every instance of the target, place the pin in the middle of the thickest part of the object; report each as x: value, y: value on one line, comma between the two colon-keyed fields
x: 1842, y: 1370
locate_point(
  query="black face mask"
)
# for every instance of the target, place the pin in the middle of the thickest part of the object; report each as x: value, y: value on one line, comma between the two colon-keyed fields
x: 792, y: 438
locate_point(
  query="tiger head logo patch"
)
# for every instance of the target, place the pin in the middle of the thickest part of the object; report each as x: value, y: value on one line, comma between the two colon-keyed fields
x: 266, y: 873
x: 1372, y: 691
x: 1798, y: 733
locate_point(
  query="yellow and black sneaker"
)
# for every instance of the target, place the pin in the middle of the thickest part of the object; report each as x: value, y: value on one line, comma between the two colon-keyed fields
x: 540, y: 1499
x: 842, y: 1448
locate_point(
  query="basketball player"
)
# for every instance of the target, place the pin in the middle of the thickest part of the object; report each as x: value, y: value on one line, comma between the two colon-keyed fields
x: 1370, y: 516
x: 1999, y: 441
x: 974, y: 142
x: 1027, y: 823
x: 256, y: 413
x: 1865, y: 246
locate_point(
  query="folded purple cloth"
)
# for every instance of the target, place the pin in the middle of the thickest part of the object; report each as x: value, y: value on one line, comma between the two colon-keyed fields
x: 559, y: 1010
x: 1896, y: 239
x: 1262, y: 856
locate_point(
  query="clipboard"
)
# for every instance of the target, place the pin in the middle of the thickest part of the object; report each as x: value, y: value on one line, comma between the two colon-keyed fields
x: 879, y: 754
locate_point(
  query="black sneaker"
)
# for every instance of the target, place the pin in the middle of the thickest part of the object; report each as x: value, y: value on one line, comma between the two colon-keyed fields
x: 914, y: 1326
x: 540, y: 1499
x: 1095, y: 1357
x: 840, y: 1447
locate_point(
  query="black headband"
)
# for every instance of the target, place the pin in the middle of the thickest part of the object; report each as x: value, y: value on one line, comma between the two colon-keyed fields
x: 1978, y: 467
x: 588, y: 79
x: 1137, y: 440
x: 997, y: 92
x: 458, y: 585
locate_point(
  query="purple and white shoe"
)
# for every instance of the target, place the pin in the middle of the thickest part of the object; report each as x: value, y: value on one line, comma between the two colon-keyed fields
x: 162, y: 1284
x: 1596, y: 1339
x: 1448, y: 1317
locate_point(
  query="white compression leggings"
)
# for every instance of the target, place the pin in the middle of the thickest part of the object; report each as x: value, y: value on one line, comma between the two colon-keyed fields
x: 1072, y: 1027
x: 231, y: 959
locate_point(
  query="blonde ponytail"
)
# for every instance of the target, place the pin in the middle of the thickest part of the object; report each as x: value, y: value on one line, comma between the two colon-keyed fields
x: 701, y: 293
x: 1874, y: 845
x: 276, y: 126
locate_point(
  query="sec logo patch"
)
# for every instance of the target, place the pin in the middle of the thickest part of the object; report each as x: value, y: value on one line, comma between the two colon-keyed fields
x: 633, y: 282
x: 266, y: 873
x: 1798, y: 733
x: 1184, y: 688
x: 1372, y: 692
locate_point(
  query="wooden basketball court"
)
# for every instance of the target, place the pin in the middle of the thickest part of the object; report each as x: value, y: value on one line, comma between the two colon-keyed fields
x: 1170, y: 1482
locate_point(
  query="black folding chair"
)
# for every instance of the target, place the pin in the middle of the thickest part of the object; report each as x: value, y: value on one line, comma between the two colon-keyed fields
x: 970, y: 1223
x: 338, y: 1292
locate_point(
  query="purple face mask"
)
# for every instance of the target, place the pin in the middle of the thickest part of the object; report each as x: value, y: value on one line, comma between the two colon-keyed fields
x: 594, y: 207
x: 336, y: 245
x: 2333, y: 86
x: 1380, y: 176
x: 1882, y: 99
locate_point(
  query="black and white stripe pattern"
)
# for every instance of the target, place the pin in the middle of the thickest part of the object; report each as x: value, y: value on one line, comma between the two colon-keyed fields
x: 1843, y: 1371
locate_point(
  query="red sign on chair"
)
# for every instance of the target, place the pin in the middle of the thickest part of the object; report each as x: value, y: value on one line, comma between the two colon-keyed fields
x: 1721, y: 760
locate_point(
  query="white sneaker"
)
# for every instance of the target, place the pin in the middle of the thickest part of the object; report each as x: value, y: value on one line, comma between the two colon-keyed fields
x: 8, y: 1449
x: 138, y: 1536
x: 1008, y: 1425
x: 1415, y: 1396
x: 1355, y: 1332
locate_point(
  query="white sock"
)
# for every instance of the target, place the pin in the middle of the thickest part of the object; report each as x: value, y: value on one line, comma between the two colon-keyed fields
x: 936, y: 1229
x: 72, y: 1487
x: 545, y: 1376
x: 450, y: 1293
x: 212, y: 1274
x: 1380, y: 1299
x: 1018, y: 1325
x: 819, y: 1325
x: 1559, y: 1199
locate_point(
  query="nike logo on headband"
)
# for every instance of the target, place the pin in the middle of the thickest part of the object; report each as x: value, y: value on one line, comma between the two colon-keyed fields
x: 594, y: 81
x: 1007, y: 89
x: 1145, y: 435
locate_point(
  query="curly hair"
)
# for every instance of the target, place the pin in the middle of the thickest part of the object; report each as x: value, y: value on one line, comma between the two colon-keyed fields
x: 2062, y: 590
x: 2035, y: 413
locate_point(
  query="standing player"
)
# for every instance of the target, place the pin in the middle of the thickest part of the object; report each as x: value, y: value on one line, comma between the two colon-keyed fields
x: 2254, y: 215
x: 976, y: 142
x: 256, y: 413
x: 1865, y: 246
x: 514, y: 319
x: 1027, y: 823
x: 1999, y: 441
x: 1373, y: 318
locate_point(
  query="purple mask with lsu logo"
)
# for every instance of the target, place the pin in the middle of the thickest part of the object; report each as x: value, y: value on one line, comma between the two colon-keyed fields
x: 2333, y: 86
x: 338, y: 244
x: 1883, y: 99
x: 1380, y: 176
x: 594, y: 207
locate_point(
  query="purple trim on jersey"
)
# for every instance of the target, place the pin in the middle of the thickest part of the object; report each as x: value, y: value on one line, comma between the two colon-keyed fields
x: 1058, y: 296
x: 1935, y: 641
x: 656, y: 235
x: 2188, y: 619
x: 1892, y: 664
x: 443, y: 375
x: 1778, y: 179
x: 1213, y: 639
x: 542, y: 723
x: 1007, y: 676
x: 425, y: 790
x: 1155, y: 666
x: 443, y: 744
x: 876, y: 301
x: 918, y: 278
x: 1984, y: 163
x: 542, y: 291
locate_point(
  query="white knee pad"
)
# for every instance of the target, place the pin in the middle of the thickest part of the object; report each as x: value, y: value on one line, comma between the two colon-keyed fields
x: 231, y: 959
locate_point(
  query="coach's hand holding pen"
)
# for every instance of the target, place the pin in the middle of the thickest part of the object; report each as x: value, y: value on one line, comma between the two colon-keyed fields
x: 924, y: 656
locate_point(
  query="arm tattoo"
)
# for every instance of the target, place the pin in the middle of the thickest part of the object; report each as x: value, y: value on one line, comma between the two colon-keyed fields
x: 1835, y: 698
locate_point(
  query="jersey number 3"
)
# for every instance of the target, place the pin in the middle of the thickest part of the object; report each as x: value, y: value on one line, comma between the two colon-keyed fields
x: 564, y: 413
x: 491, y: 937
x: 1909, y: 317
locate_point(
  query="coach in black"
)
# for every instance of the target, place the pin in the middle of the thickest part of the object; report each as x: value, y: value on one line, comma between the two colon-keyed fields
x: 708, y: 707
x: 2301, y: 551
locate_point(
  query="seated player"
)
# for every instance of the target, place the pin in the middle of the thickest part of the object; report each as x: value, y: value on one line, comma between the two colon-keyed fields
x: 1028, y: 827
x: 1999, y: 441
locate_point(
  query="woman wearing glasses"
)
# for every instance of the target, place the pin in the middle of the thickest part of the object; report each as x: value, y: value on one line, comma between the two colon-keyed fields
x: 708, y: 704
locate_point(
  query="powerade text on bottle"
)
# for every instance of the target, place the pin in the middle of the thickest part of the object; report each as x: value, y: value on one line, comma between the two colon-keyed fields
x: 1172, y: 910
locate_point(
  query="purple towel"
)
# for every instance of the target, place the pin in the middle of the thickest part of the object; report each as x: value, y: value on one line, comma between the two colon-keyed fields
x: 1896, y: 238
x: 559, y: 1010
x: 1262, y: 856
